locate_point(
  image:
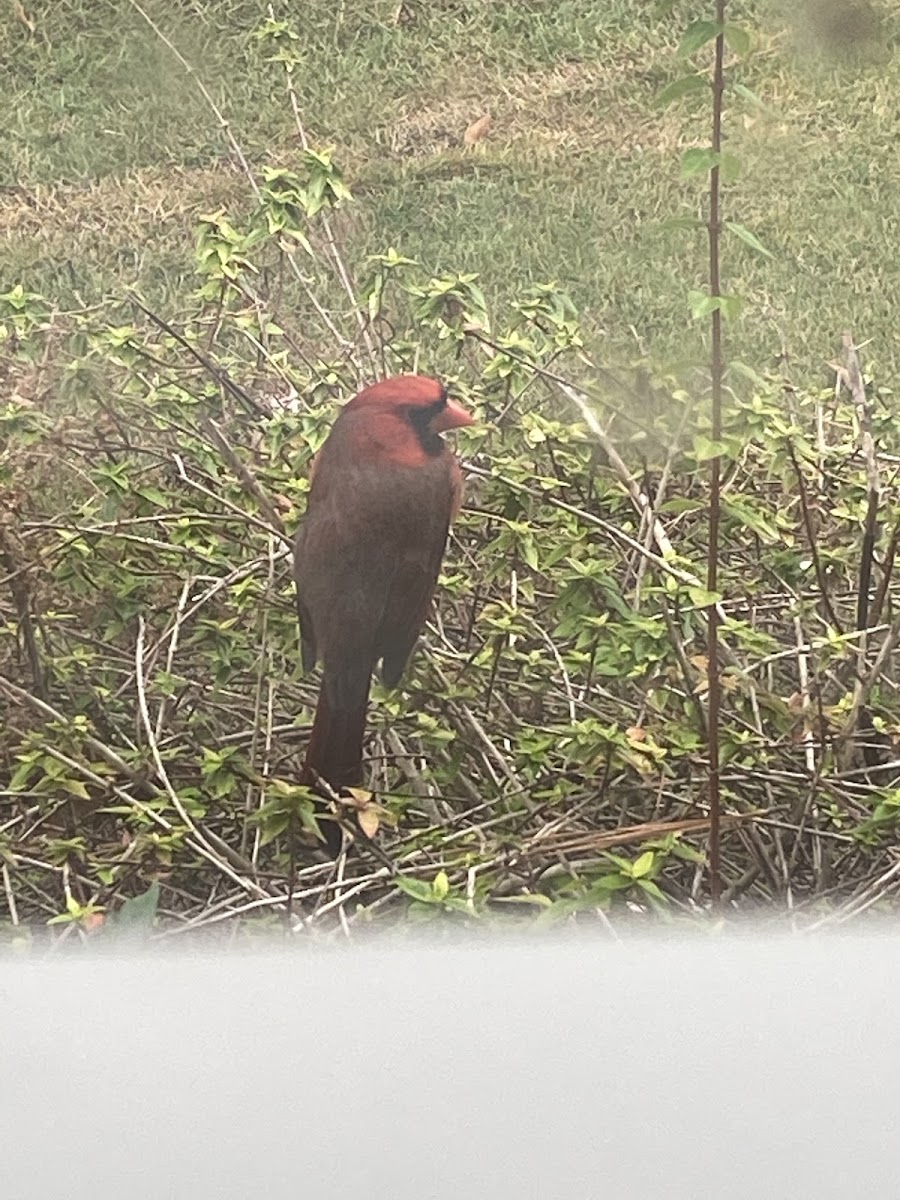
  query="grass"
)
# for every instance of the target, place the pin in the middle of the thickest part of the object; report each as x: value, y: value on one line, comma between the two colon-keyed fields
x: 112, y: 152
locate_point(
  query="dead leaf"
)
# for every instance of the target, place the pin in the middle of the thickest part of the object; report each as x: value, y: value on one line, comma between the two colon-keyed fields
x: 22, y: 17
x: 477, y: 130
x: 402, y: 15
x: 355, y: 797
x: 368, y: 821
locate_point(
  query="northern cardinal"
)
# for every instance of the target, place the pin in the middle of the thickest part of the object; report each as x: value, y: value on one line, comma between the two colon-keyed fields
x: 384, y: 488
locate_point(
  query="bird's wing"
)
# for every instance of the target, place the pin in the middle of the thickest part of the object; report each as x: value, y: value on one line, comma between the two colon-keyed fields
x: 343, y: 561
x: 367, y: 559
x: 308, y: 652
x: 413, y: 580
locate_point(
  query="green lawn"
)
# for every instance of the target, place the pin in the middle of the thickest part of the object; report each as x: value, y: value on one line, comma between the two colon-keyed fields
x: 111, y: 151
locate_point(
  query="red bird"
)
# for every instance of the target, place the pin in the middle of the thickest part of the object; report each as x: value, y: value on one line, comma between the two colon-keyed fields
x: 366, y: 560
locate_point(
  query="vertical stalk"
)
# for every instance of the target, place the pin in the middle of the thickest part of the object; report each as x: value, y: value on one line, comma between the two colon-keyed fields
x: 714, y: 688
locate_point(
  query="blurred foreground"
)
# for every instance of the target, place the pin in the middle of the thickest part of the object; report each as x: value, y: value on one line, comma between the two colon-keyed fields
x: 739, y: 1067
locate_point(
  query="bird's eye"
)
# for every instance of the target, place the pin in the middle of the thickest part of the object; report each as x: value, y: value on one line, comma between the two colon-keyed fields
x: 439, y: 405
x: 423, y: 416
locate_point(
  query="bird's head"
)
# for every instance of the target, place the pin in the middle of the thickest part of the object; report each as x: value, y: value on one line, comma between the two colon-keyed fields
x: 417, y: 399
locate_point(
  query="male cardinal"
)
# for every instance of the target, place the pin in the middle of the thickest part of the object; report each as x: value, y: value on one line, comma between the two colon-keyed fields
x: 366, y: 560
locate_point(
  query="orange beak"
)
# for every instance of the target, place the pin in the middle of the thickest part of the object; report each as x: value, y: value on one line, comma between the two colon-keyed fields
x: 451, y: 417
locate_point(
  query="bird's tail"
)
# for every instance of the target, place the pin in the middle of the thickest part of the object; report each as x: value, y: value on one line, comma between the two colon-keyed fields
x: 335, y: 746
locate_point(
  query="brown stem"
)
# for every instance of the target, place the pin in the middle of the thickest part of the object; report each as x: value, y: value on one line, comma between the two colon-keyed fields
x: 714, y: 685
x: 812, y: 540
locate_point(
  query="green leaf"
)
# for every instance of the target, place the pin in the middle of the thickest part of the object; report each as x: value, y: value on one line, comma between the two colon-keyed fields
x: 705, y: 448
x: 138, y: 912
x: 76, y: 788
x: 614, y: 882
x: 273, y: 826
x: 738, y: 38
x: 737, y: 367
x: 702, y: 304
x: 688, y: 853
x: 153, y: 495
x: 21, y: 775
x: 652, y: 890
x: 644, y: 865
x: 309, y: 820
x: 301, y: 239
x: 703, y: 158
x: 731, y: 307
x: 702, y: 598
x: 697, y: 34
x: 418, y: 889
x: 749, y: 237
x: 747, y: 94
x: 743, y: 511
x: 686, y: 86
x: 751, y: 97
x: 441, y: 885
x: 529, y: 553
x: 697, y: 159
x: 681, y: 504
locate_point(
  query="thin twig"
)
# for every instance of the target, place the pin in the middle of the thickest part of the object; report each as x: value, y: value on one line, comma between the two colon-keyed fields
x: 207, y: 850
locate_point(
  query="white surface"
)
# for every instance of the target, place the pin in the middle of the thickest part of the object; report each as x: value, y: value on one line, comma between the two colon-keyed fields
x: 713, y: 1067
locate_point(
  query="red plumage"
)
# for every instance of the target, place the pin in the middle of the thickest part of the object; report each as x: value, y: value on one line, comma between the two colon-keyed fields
x: 366, y: 559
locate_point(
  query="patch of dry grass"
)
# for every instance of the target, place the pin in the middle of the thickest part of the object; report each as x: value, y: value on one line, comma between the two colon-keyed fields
x: 139, y: 202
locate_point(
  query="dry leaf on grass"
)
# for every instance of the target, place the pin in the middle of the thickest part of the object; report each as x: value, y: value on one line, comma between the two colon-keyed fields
x: 22, y: 16
x: 477, y: 130
x: 402, y: 15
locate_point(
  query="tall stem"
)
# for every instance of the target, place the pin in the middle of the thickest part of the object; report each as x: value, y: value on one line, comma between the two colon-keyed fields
x: 714, y: 686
